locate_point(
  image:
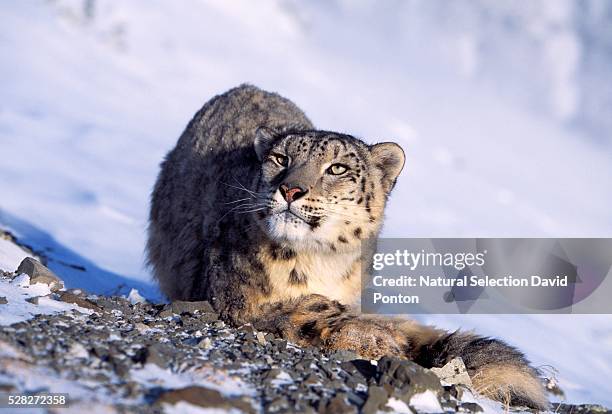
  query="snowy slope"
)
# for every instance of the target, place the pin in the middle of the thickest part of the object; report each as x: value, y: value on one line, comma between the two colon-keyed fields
x: 10, y: 255
x: 92, y: 100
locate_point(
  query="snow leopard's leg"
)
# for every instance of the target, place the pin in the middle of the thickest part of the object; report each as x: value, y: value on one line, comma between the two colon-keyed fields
x: 498, y: 370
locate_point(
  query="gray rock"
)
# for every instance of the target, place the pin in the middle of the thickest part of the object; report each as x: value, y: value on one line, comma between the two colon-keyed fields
x: 69, y: 297
x: 377, y: 398
x: 33, y: 300
x: 340, y: 404
x: 580, y: 409
x: 311, y: 379
x: 166, y: 313
x: 3, y: 300
x: 202, y: 397
x: 40, y: 274
x: 454, y: 372
x: 470, y: 407
x: 158, y: 354
x: 261, y: 338
x: 406, y: 377
x: 180, y: 306
x: 278, y: 404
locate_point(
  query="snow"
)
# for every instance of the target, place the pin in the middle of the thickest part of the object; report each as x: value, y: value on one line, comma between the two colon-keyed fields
x: 11, y: 255
x: 208, y: 377
x: 488, y: 406
x: 282, y: 378
x: 135, y: 297
x: 426, y: 402
x: 183, y: 407
x: 18, y: 370
x: 17, y: 309
x: 504, y: 120
x: 398, y: 406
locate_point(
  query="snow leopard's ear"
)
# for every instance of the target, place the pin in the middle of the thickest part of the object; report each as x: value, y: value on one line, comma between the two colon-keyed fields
x: 264, y: 137
x: 389, y: 158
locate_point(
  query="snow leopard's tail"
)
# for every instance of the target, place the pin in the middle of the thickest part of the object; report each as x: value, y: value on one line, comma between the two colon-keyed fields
x: 498, y: 370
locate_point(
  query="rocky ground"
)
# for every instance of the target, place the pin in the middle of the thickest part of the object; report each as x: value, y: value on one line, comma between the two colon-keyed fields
x: 118, y: 354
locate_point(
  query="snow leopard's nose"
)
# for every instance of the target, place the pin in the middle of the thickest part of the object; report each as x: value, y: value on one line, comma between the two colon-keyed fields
x: 291, y: 192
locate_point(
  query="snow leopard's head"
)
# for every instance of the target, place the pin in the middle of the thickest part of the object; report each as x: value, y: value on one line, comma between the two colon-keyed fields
x: 322, y: 190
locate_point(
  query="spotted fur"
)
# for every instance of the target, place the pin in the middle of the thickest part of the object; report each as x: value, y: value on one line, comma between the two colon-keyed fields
x: 270, y: 220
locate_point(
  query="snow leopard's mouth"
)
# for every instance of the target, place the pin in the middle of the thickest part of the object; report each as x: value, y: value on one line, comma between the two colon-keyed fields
x: 312, y: 222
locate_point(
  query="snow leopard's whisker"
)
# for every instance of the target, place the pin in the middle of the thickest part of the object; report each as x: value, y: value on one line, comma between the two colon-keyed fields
x: 237, y: 209
x: 246, y: 189
x: 238, y: 188
x: 239, y: 200
x: 254, y: 193
x: 250, y: 198
x: 246, y: 206
x: 250, y: 205
x: 252, y: 211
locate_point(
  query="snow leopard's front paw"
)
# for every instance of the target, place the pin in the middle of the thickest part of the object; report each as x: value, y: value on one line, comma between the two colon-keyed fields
x: 368, y: 338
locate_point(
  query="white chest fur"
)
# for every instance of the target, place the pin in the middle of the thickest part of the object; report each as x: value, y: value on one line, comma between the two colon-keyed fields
x: 336, y: 276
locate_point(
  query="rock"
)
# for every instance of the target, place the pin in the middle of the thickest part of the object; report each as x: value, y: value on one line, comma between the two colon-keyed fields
x: 158, y: 354
x: 339, y: 404
x: 311, y: 379
x: 202, y: 397
x: 261, y: 338
x: 77, y: 350
x: 278, y: 404
x: 121, y: 369
x: 362, y: 367
x: 470, y: 407
x: 79, y: 292
x: 3, y: 300
x: 33, y: 300
x: 406, y: 377
x: 135, y: 297
x: 141, y: 327
x: 198, y: 322
x: 454, y: 372
x: 113, y: 304
x: 69, y: 297
x: 579, y: 409
x: 180, y: 306
x: 274, y: 374
x: 248, y: 328
x: 205, y: 343
x: 6, y: 388
x: 166, y: 313
x: 377, y: 398
x: 456, y: 391
x: 355, y: 399
x: 40, y: 274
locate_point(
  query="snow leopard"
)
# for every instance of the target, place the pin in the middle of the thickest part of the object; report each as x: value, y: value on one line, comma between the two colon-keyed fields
x: 271, y: 220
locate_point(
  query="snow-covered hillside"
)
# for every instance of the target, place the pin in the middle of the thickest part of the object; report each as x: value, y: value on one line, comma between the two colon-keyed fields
x: 495, y: 104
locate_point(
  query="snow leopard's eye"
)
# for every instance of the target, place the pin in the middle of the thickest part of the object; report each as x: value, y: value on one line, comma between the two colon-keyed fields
x: 280, y: 159
x: 337, y: 169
